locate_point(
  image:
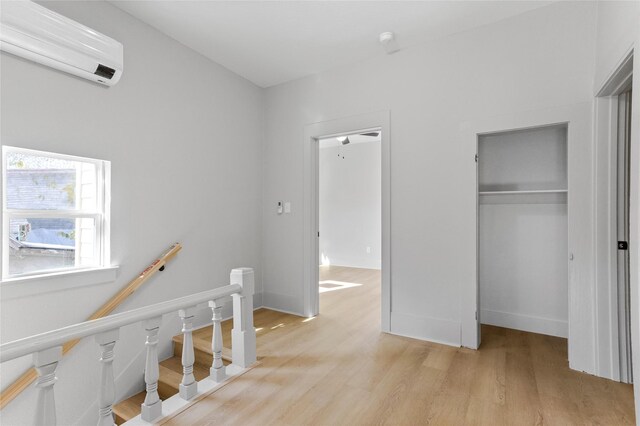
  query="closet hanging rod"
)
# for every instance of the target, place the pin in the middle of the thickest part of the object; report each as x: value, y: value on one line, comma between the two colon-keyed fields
x: 534, y: 191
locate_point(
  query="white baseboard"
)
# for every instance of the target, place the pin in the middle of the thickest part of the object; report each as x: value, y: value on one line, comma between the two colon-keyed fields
x: 435, y: 330
x: 356, y: 264
x: 298, y: 314
x: 528, y: 323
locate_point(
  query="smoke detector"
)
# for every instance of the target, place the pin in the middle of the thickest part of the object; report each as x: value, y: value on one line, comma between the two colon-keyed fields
x: 388, y: 42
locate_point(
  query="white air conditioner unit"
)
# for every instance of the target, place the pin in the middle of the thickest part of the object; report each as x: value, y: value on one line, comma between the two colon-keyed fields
x: 38, y: 34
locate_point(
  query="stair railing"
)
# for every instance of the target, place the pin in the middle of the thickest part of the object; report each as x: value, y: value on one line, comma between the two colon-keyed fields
x: 19, y: 385
x: 47, y: 347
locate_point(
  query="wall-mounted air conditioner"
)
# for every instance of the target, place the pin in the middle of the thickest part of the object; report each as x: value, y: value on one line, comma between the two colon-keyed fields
x: 36, y: 33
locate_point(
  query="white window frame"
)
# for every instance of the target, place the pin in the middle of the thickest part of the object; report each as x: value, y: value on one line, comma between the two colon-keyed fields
x: 101, y: 215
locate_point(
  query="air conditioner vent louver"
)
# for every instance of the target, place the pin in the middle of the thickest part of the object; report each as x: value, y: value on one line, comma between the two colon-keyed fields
x: 104, y: 71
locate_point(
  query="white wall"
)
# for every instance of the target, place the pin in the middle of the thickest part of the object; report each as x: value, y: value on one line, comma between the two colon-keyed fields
x: 619, y: 32
x: 350, y: 204
x: 184, y: 139
x: 533, y: 159
x: 541, y: 59
x: 523, y: 267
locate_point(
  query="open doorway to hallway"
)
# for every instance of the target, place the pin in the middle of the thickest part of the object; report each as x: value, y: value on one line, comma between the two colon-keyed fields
x: 349, y: 216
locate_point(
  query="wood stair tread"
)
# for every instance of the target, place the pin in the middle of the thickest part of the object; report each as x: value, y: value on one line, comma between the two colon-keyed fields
x: 128, y: 408
x: 171, y: 374
x: 171, y: 371
x: 203, y: 351
x: 175, y: 364
x: 168, y: 385
x: 168, y: 382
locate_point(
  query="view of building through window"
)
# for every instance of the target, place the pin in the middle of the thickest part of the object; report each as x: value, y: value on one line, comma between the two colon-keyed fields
x: 53, y: 212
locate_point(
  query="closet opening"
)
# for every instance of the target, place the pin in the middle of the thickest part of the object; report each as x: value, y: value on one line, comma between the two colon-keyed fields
x: 523, y: 266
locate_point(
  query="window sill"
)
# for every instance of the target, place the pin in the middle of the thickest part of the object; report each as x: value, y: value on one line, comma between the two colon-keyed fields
x: 13, y: 288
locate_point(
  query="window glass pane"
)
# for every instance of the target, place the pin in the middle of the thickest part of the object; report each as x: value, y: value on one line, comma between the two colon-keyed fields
x: 47, y: 244
x: 38, y: 182
x: 87, y: 248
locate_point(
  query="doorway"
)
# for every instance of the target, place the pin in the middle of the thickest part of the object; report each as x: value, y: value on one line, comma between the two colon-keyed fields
x: 349, y: 216
x: 377, y: 122
x: 577, y: 120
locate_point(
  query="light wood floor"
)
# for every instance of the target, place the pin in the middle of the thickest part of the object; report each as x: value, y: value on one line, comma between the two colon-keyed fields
x: 338, y: 369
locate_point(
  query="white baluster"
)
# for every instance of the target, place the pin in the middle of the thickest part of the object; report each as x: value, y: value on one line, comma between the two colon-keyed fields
x: 243, y: 335
x: 188, y: 386
x: 218, y: 370
x: 45, y: 363
x: 107, y: 392
x: 152, y: 405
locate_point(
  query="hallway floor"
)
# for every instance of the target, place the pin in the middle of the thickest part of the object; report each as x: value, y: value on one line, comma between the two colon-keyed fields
x: 339, y: 369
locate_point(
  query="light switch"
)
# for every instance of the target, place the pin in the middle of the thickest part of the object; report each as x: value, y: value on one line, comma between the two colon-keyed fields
x: 287, y: 207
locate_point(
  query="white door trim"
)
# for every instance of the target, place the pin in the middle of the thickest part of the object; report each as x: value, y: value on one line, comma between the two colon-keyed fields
x: 313, y: 132
x: 606, y: 268
x: 581, y: 288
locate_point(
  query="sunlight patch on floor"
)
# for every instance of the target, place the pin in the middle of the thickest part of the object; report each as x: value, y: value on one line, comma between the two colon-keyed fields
x: 331, y: 285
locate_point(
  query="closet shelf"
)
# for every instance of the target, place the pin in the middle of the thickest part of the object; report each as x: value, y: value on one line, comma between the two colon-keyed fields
x: 535, y: 191
x: 541, y: 196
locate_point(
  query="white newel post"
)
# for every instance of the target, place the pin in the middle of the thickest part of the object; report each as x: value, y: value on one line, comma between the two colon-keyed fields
x: 107, y: 392
x: 45, y: 363
x: 243, y: 335
x: 188, y: 386
x: 217, y: 371
x: 152, y: 405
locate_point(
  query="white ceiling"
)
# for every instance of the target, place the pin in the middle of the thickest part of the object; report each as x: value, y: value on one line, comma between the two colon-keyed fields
x: 353, y: 140
x: 272, y: 42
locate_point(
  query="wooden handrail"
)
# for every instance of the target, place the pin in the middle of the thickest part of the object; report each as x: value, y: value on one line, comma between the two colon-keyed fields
x: 28, y: 377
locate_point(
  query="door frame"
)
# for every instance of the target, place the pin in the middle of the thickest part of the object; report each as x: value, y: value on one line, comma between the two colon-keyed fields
x: 606, y: 264
x: 332, y: 128
x: 581, y: 299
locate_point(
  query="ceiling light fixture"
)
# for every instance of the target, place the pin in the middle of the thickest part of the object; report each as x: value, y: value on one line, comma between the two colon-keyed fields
x: 388, y: 42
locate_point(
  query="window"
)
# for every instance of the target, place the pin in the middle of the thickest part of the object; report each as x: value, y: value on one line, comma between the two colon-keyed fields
x: 55, y: 212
